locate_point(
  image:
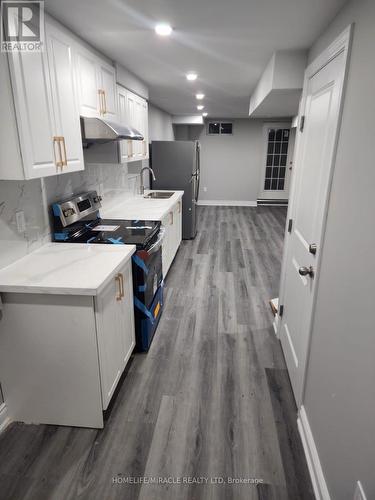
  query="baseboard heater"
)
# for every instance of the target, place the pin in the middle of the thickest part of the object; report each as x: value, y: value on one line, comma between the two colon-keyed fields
x: 277, y: 203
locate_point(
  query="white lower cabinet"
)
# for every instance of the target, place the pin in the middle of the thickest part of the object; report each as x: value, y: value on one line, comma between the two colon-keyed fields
x: 172, y: 223
x: 115, y: 331
x: 61, y: 356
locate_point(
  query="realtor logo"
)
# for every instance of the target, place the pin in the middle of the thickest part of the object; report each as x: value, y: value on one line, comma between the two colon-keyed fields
x: 22, y: 26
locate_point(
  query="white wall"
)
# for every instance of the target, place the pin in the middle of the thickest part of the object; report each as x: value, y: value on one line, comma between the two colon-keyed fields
x: 130, y: 81
x: 159, y: 124
x: 34, y: 197
x: 280, y: 86
x: 340, y: 388
x: 231, y: 165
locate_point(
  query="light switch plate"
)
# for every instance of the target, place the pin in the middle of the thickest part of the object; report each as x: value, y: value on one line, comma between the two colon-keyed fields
x: 359, y: 494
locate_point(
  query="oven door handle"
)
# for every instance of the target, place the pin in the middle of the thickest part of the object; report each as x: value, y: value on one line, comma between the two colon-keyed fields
x: 155, y: 247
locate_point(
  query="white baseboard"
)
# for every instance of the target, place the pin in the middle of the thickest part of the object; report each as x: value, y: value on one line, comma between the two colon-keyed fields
x: 4, y: 417
x: 312, y: 457
x: 227, y: 203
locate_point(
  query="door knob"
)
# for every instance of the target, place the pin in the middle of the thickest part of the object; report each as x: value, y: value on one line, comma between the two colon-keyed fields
x: 306, y: 271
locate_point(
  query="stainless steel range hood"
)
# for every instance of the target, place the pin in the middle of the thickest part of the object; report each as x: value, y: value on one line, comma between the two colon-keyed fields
x: 100, y: 131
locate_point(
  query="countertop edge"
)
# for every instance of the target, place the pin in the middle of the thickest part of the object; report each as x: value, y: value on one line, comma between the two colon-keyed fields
x: 65, y: 290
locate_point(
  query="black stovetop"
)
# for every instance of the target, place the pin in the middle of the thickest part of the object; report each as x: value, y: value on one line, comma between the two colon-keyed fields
x: 111, y: 231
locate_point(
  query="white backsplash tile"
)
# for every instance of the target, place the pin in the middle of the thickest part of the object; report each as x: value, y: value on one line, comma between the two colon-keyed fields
x: 34, y: 198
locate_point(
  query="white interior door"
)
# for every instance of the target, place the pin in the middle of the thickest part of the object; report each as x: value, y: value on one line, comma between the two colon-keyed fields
x: 315, y: 156
x: 278, y: 155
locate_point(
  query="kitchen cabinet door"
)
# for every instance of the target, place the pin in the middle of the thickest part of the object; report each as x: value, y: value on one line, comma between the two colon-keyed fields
x: 144, y: 113
x: 126, y: 314
x: 65, y: 100
x: 138, y: 124
x: 32, y: 94
x: 168, y: 242
x: 109, y: 335
x: 87, y: 82
x: 178, y: 224
x: 107, y: 84
x: 132, y: 121
x: 125, y: 145
x: 176, y: 229
x: 165, y: 245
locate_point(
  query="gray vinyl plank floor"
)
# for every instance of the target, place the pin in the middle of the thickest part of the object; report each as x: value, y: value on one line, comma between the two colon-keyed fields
x: 208, y: 412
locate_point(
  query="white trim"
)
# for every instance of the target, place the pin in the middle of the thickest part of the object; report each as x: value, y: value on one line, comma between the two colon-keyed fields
x: 4, y: 417
x: 228, y: 203
x: 312, y: 457
x: 341, y: 44
x: 273, y: 204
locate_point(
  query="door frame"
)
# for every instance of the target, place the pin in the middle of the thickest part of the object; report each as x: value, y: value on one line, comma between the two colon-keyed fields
x: 342, y: 44
x: 262, y: 194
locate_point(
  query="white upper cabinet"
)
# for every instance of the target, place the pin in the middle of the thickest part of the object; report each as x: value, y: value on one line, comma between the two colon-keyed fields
x: 42, y: 92
x: 42, y: 97
x: 31, y: 87
x: 87, y: 82
x: 144, y: 111
x: 125, y: 146
x: 65, y: 98
x: 97, y: 85
x: 133, y: 111
x: 107, y: 83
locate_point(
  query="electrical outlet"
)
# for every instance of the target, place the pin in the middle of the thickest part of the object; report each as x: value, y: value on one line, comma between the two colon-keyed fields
x: 20, y: 220
x: 205, y: 189
x: 359, y: 494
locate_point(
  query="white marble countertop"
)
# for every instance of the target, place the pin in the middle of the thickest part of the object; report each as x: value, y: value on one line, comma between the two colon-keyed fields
x: 139, y: 207
x: 65, y: 268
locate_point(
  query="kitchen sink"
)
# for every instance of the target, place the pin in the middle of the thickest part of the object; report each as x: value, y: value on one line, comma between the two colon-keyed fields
x: 159, y: 194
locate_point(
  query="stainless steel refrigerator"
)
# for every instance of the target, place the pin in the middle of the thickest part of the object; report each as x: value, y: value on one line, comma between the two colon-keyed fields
x: 176, y: 165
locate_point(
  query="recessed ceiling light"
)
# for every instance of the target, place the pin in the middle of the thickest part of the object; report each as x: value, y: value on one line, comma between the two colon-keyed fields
x: 199, y: 96
x: 191, y: 76
x: 163, y: 29
x: 200, y: 107
x: 204, y: 114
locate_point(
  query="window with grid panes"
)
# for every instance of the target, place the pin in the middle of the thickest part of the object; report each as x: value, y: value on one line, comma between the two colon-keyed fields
x: 277, y: 154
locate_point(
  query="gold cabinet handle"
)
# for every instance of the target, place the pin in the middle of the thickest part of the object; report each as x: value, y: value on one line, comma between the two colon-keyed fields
x: 104, y: 103
x: 122, y: 285
x: 118, y: 279
x: 101, y: 107
x: 171, y: 214
x: 130, y: 148
x: 100, y: 101
x: 60, y: 162
x: 65, y: 160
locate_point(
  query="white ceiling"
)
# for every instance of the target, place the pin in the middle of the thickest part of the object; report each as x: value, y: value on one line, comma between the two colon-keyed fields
x: 228, y: 43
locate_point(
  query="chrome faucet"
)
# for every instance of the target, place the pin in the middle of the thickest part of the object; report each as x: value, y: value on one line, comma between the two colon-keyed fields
x: 141, y: 185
